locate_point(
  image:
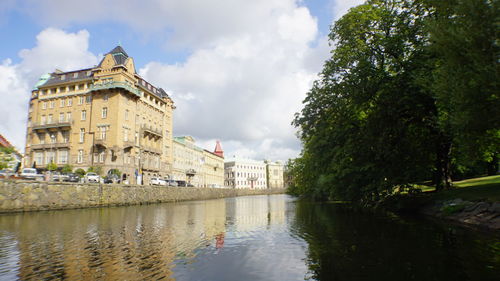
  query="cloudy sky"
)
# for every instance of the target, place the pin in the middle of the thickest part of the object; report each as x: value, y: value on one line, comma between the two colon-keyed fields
x: 237, y: 70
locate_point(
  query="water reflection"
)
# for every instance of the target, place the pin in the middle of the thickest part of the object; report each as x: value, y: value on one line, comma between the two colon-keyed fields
x: 131, y: 243
x: 246, y: 238
x: 347, y: 245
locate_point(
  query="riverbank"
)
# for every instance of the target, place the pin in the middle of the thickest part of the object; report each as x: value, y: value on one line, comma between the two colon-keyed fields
x: 473, y: 203
x: 22, y: 196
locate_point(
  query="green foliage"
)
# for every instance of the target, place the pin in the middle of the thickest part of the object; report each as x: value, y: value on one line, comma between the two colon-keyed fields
x: 95, y: 169
x: 390, y: 107
x: 80, y: 172
x: 115, y: 172
x: 51, y: 166
x: 67, y: 169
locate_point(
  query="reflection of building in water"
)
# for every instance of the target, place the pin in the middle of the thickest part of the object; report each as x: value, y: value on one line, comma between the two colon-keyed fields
x: 253, y: 212
x: 97, y: 245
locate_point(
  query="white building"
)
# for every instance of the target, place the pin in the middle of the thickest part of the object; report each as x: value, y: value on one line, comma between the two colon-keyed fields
x: 245, y: 173
x: 275, y: 174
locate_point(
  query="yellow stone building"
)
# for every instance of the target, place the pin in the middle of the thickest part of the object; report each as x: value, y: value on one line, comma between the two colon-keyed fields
x: 275, y: 172
x: 196, y: 166
x: 106, y: 116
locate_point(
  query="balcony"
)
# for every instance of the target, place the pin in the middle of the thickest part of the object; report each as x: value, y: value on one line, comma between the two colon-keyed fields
x: 151, y: 149
x: 127, y: 144
x: 52, y: 125
x: 114, y: 85
x: 100, y: 142
x: 153, y: 131
x: 190, y: 173
x: 50, y: 145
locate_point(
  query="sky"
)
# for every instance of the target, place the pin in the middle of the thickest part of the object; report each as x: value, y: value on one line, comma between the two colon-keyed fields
x: 237, y: 70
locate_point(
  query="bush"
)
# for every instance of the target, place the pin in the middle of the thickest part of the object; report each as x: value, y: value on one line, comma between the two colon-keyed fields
x: 80, y: 172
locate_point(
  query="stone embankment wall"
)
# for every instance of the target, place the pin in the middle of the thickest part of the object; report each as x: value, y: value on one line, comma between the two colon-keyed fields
x: 19, y: 196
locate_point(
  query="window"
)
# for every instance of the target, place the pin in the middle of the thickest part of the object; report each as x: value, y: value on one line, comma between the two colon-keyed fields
x: 102, y: 132
x: 41, y: 138
x: 63, y: 77
x: 70, y: 101
x: 65, y: 136
x: 52, y: 104
x: 80, y: 99
x: 62, y: 103
x: 53, y: 138
x: 82, y: 135
x: 125, y: 134
x: 71, y: 88
x: 84, y: 115
x: 104, y: 112
x: 126, y: 114
x: 80, y: 156
x: 89, y: 72
x: 61, y: 117
x: 68, y: 117
x: 53, y: 90
x: 101, y: 156
x: 49, y: 157
x: 49, y: 119
x: 44, y: 105
x: 39, y: 158
x: 62, y: 89
x: 63, y: 157
x: 42, y: 120
x: 44, y: 92
x: 75, y: 75
x: 88, y: 99
x: 105, y: 97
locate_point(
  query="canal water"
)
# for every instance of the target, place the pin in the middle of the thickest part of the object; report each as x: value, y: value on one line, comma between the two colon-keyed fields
x: 270, y: 237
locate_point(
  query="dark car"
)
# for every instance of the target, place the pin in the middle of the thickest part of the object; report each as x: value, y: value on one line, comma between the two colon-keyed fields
x: 112, y: 179
x: 71, y: 177
x: 181, y: 183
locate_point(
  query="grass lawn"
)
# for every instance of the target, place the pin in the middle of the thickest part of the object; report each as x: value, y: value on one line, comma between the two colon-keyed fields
x: 485, y: 189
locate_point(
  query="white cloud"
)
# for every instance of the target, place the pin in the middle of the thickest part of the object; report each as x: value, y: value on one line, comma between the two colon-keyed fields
x: 245, y: 90
x: 251, y: 62
x: 340, y: 7
x: 54, y: 49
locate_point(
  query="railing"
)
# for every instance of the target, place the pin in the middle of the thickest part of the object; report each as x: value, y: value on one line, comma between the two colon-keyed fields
x: 40, y: 126
x: 190, y: 172
x: 151, y: 149
x: 151, y: 130
x: 114, y: 84
x: 49, y: 145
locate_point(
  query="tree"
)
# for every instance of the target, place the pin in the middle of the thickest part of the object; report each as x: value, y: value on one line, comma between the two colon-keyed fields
x: 95, y: 169
x: 367, y: 126
x: 67, y: 169
x: 464, y: 36
x: 51, y: 166
x: 80, y: 172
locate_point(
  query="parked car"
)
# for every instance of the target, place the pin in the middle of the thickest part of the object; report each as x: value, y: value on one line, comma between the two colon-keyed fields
x: 172, y: 183
x: 181, y: 183
x: 92, y: 177
x: 157, y: 181
x: 111, y: 178
x: 31, y: 174
x: 72, y: 177
x: 6, y: 173
x: 56, y: 176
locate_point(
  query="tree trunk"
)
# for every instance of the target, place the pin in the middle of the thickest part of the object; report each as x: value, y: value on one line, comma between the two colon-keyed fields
x: 443, y: 164
x: 493, y: 165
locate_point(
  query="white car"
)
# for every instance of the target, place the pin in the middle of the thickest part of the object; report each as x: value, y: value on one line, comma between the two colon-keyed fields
x: 157, y: 181
x: 31, y: 174
x: 92, y: 177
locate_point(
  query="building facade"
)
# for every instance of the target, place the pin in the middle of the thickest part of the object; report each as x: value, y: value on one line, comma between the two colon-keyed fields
x: 106, y: 116
x: 196, y: 166
x: 275, y: 172
x: 245, y: 173
x: 213, y: 167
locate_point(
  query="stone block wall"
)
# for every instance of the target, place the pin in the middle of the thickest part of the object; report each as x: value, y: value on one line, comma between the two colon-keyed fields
x: 19, y: 196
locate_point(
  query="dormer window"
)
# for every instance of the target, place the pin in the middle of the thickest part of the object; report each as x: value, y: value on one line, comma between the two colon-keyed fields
x: 63, y: 77
x: 75, y: 75
x: 89, y: 73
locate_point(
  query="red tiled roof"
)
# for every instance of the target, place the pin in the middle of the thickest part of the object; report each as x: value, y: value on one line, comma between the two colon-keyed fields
x: 4, y: 142
x: 218, y: 150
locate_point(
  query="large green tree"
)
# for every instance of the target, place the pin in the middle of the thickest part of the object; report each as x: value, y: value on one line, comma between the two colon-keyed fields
x: 465, y: 41
x: 367, y: 126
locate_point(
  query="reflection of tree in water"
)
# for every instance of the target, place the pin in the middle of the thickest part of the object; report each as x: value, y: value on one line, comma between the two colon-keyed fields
x: 349, y: 245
